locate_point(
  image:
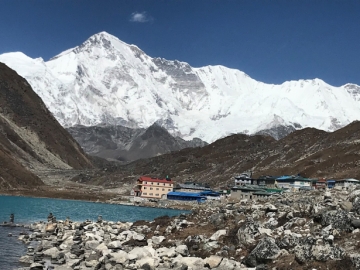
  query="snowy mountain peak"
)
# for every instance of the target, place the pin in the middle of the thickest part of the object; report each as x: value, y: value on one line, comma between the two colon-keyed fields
x: 107, y: 81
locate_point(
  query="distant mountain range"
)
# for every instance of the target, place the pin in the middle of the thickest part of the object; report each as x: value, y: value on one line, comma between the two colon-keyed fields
x: 127, y: 144
x: 105, y: 81
x: 309, y: 152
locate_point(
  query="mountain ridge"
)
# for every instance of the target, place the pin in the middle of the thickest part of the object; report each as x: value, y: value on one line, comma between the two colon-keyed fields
x: 106, y: 81
x: 127, y: 144
x: 31, y: 140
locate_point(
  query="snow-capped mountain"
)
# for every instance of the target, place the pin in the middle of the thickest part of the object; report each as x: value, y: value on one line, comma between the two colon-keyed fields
x: 105, y: 80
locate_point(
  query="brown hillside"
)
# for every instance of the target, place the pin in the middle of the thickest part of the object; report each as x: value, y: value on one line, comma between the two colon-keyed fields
x: 30, y: 137
x: 311, y: 152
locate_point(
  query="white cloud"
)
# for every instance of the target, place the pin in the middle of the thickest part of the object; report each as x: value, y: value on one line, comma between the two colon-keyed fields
x: 140, y: 17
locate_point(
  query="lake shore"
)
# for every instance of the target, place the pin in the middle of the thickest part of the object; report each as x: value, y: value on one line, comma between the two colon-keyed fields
x: 97, y: 196
x: 301, y: 230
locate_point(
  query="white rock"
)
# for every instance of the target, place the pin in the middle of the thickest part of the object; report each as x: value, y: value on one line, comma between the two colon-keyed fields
x: 182, y: 250
x: 191, y: 262
x: 138, y: 237
x: 157, y: 239
x: 91, y: 244
x: 216, y: 235
x: 52, y: 252
x: 265, y: 231
x: 115, y: 244
x: 140, y: 252
x: 213, y: 261
x: 101, y: 247
x: 119, y: 257
x: 166, y: 252
x: 152, y: 262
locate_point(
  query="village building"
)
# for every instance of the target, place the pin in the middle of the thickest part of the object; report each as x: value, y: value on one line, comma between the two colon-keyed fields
x: 347, y: 182
x: 293, y: 182
x: 319, y: 183
x: 150, y: 187
x: 243, y: 179
x: 267, y: 181
x: 330, y: 183
x: 248, y: 192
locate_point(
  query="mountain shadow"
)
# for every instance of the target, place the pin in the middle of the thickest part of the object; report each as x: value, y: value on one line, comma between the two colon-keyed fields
x: 31, y: 139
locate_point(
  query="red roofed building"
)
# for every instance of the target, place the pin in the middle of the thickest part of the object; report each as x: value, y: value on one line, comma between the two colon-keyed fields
x: 151, y: 187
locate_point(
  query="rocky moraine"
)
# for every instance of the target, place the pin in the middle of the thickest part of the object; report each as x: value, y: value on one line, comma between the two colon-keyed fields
x: 303, y: 230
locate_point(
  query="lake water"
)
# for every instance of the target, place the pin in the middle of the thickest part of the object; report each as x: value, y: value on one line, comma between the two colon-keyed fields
x: 27, y: 210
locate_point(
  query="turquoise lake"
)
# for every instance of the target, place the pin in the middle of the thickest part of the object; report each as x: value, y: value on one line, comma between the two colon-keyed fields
x: 27, y: 210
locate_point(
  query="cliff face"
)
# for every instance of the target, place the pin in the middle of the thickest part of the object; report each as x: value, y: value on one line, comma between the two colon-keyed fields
x: 30, y: 137
x: 128, y: 144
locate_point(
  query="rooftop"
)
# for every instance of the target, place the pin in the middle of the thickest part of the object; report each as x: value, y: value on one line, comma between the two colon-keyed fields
x: 154, y: 179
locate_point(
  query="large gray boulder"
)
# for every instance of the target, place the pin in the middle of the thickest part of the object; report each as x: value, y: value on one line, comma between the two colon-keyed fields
x: 311, y: 249
x: 355, y: 223
x: 247, y: 232
x: 288, y: 242
x: 217, y: 219
x: 356, y: 205
x: 338, y: 219
x: 265, y: 251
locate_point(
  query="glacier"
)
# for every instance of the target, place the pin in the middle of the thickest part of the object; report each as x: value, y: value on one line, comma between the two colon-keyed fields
x: 106, y: 81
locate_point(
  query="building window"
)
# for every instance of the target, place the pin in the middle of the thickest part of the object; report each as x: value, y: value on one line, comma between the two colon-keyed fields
x: 156, y: 194
x: 151, y: 188
x: 145, y: 182
x: 164, y: 184
x: 144, y: 193
x: 169, y: 189
x: 144, y: 187
x: 157, y: 188
x: 163, y: 189
x: 158, y: 183
x: 150, y: 194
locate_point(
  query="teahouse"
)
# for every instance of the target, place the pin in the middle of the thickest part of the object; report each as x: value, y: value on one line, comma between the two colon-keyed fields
x: 292, y: 181
x: 347, y: 182
x: 151, y: 187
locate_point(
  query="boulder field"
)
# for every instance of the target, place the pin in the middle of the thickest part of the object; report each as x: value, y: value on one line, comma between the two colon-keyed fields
x: 301, y: 230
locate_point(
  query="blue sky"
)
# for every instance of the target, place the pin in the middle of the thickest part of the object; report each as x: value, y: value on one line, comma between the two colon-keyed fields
x: 272, y: 41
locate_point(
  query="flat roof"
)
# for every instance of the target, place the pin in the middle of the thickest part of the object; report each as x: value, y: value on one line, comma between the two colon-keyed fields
x: 348, y: 180
x: 185, y: 194
x: 154, y: 179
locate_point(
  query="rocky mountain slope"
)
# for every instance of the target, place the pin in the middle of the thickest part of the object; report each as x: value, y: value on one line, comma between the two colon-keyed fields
x: 106, y: 81
x: 310, y: 152
x: 128, y: 144
x: 31, y: 139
